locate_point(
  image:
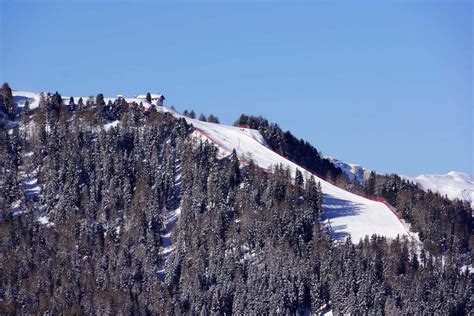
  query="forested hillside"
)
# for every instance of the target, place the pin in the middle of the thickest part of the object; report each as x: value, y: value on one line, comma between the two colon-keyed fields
x: 85, y: 226
x: 442, y: 225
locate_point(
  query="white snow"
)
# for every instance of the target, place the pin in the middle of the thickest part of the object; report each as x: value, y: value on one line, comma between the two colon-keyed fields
x: 20, y: 98
x: 16, y: 211
x: 111, y: 124
x: 154, y: 96
x: 31, y: 187
x: 44, y: 220
x: 455, y: 185
x: 167, y: 246
x: 469, y: 268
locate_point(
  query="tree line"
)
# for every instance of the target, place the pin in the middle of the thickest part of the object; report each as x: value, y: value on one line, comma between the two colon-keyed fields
x: 247, y: 241
x: 442, y: 225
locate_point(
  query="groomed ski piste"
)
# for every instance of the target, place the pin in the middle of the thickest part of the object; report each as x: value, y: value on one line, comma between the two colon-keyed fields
x: 346, y: 214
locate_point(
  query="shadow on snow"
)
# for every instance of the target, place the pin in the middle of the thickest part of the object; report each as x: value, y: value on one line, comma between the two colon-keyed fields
x: 334, y: 208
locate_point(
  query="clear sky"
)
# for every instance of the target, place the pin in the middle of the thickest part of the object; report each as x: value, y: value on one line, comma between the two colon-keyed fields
x: 385, y: 84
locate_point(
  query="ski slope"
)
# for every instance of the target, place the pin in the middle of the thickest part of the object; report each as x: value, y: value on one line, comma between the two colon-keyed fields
x: 346, y: 213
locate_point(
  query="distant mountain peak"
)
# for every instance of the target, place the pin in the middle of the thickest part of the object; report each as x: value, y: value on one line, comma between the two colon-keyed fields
x: 350, y: 170
x: 454, y: 184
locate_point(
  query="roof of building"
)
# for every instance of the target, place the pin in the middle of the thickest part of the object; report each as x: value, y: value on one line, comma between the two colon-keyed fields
x: 153, y: 96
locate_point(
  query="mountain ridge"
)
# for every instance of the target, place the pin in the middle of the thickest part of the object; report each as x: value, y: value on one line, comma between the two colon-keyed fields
x: 193, y: 216
x: 454, y: 184
x: 346, y: 213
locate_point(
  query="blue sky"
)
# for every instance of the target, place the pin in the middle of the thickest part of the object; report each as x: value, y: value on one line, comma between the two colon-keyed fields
x: 387, y: 85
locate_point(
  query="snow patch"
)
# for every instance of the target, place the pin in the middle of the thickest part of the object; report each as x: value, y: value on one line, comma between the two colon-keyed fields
x: 20, y: 98
x: 44, y: 220
x: 110, y: 125
x: 32, y: 188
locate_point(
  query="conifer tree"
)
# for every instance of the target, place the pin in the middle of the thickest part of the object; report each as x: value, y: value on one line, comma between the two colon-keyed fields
x: 370, y: 185
x: 6, y: 98
x: 99, y: 99
x: 213, y: 119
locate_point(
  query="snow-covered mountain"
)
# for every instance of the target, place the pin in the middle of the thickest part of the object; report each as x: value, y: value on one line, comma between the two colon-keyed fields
x: 347, y: 214
x: 455, y: 185
x: 350, y: 170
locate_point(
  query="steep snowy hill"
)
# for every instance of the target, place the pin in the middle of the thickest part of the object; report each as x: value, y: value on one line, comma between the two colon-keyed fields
x: 455, y: 185
x: 346, y: 213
